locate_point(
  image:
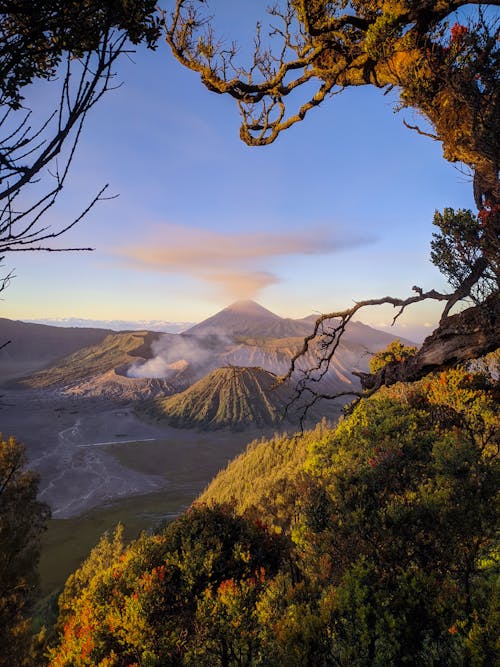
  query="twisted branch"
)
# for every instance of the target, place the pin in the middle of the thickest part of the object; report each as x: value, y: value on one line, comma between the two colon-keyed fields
x: 459, y: 337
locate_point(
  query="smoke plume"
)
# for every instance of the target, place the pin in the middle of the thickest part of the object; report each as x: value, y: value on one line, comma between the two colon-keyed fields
x: 173, y: 356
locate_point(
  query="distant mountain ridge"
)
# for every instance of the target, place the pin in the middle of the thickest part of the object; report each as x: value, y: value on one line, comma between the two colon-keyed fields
x: 138, y: 365
x: 40, y: 341
x: 34, y: 346
x: 161, y: 326
x: 248, y: 319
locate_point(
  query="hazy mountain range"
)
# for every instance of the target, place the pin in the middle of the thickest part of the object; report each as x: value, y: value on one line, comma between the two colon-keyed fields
x: 162, y: 326
x: 140, y: 365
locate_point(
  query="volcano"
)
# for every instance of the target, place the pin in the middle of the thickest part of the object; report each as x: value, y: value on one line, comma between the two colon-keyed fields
x: 231, y: 397
x: 245, y: 334
x: 248, y: 319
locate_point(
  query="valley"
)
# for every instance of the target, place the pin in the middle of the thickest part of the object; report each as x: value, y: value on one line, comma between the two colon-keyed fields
x: 99, y: 465
x: 63, y: 441
x: 132, y: 426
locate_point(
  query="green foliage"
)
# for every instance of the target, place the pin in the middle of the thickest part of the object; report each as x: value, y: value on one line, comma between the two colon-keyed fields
x: 153, y: 603
x: 381, y: 36
x: 22, y: 520
x: 227, y: 628
x: 457, y: 246
x: 383, y: 550
x: 35, y: 35
x: 412, y: 478
x: 103, y: 555
x: 261, y: 469
x: 395, y: 351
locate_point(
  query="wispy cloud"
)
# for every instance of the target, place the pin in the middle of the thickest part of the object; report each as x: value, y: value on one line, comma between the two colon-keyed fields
x: 235, y: 263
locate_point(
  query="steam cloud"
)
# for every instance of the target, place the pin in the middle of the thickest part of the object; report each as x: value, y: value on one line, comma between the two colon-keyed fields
x: 174, y: 355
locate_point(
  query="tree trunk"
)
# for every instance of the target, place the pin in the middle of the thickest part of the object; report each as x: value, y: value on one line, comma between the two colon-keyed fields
x: 467, y: 335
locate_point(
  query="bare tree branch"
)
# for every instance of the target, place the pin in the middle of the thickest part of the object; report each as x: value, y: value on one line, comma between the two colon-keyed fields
x: 466, y: 335
x: 26, y: 152
x: 329, y: 338
x: 458, y: 338
x: 419, y: 131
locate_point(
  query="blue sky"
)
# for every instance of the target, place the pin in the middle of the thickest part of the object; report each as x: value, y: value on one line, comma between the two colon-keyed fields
x: 338, y: 209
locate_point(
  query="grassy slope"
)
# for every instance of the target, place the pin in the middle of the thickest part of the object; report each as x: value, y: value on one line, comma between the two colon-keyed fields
x: 248, y: 478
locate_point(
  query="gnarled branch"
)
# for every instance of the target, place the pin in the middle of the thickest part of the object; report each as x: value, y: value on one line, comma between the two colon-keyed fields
x: 329, y: 337
x: 460, y: 337
x: 467, y: 335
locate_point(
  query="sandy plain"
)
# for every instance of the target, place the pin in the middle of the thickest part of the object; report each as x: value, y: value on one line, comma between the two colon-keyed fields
x: 99, y: 464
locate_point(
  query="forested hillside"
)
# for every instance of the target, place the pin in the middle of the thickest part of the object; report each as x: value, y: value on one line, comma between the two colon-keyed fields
x: 369, y: 544
x: 264, y: 471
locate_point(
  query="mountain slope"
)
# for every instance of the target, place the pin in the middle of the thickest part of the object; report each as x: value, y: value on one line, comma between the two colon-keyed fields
x: 229, y: 397
x: 142, y: 364
x: 249, y: 319
x: 116, y: 386
x: 33, y: 346
x: 266, y: 466
x: 116, y: 351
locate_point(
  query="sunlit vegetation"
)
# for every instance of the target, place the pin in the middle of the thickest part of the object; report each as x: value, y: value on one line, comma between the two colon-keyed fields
x: 260, y: 479
x: 372, y: 543
x: 176, y: 597
x: 395, y: 351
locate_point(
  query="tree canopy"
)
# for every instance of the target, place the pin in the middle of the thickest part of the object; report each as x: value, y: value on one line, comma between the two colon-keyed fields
x: 447, y: 73
x: 37, y: 35
x: 182, y: 596
x: 22, y: 520
x: 374, y: 545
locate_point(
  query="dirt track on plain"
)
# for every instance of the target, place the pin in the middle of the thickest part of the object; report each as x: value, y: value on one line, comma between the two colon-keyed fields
x: 90, y: 452
x: 63, y: 438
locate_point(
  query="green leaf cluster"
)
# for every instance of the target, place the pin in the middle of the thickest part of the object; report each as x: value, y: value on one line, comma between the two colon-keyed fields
x: 457, y: 245
x: 395, y: 351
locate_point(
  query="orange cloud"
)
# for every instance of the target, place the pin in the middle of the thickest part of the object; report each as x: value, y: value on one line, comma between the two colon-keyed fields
x: 242, y: 285
x: 233, y: 262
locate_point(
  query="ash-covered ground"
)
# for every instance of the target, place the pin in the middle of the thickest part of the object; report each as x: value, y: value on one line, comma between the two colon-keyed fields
x: 69, y: 443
